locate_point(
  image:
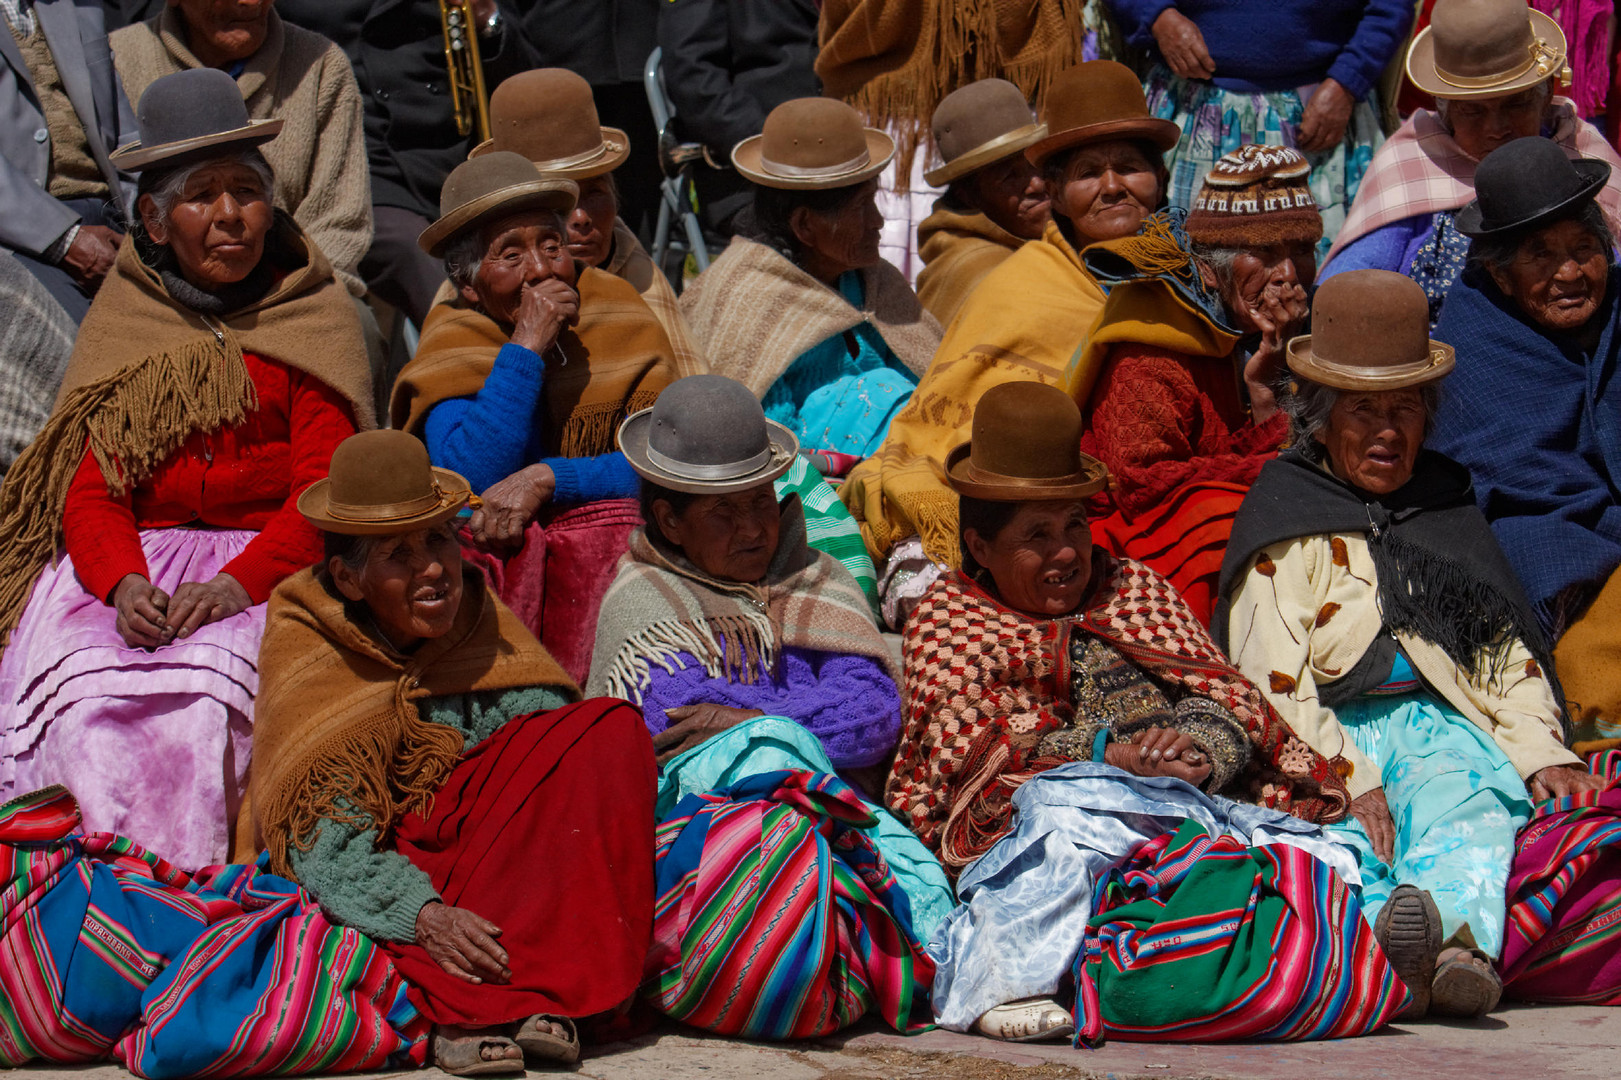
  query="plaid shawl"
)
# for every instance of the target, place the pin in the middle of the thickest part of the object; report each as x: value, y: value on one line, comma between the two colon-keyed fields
x: 985, y: 683
x: 36, y: 338
x: 1421, y: 169
x: 660, y: 606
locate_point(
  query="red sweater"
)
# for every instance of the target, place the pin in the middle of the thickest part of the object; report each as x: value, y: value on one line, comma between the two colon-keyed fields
x: 243, y: 477
x: 1159, y: 419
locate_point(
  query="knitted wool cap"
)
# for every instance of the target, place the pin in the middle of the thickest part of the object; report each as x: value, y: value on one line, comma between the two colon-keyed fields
x: 1255, y: 196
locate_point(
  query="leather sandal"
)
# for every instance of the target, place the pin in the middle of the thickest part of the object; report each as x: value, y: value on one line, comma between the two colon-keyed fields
x: 1465, y: 986
x: 1034, y: 1019
x: 545, y: 1047
x: 464, y: 1055
x: 1409, y: 931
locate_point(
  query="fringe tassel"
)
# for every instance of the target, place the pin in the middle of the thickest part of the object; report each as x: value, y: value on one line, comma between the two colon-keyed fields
x: 737, y: 648
x: 934, y: 516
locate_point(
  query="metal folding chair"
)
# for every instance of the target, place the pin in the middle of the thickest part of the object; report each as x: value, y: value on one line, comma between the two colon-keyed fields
x: 676, y: 161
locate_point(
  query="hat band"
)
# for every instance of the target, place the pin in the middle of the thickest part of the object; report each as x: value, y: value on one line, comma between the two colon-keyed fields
x: 600, y: 150
x: 813, y: 172
x: 982, y: 476
x: 1388, y: 373
x: 729, y: 470
x: 1541, y: 55
x: 990, y: 146
x: 376, y: 512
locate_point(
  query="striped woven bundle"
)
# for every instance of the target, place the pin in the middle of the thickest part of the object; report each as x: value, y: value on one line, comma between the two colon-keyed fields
x: 107, y: 950
x: 777, y: 919
x: 1205, y: 940
x: 1563, y: 931
x: 829, y: 528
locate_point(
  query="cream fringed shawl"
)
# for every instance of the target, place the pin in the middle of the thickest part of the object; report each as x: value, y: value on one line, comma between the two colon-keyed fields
x: 147, y: 372
x: 754, y: 312
x: 337, y: 730
x: 660, y: 606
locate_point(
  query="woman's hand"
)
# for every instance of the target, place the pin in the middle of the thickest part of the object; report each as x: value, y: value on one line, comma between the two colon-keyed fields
x: 1323, y: 123
x: 1182, y: 45
x: 692, y: 724
x: 1558, y: 781
x: 1158, y: 751
x: 543, y: 312
x: 195, y: 604
x: 462, y: 943
x: 1371, y: 809
x: 141, y: 606
x: 1278, y: 313
x: 509, y: 507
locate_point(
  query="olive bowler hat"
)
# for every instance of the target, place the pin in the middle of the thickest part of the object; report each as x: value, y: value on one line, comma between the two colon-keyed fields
x: 380, y: 482
x: 1486, y: 48
x: 191, y: 116
x: 811, y: 144
x: 1025, y: 447
x: 549, y: 116
x: 707, y: 435
x: 1526, y: 183
x: 980, y: 124
x: 1098, y: 101
x: 1370, y: 331
x: 491, y: 185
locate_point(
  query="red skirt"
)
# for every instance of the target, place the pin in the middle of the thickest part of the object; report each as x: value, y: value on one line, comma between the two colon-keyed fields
x: 546, y: 829
x: 1183, y: 539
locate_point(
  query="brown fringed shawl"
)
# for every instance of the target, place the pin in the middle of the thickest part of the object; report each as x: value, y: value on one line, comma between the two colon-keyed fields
x: 895, y: 59
x: 147, y: 372
x: 984, y: 684
x: 619, y: 360
x: 336, y: 719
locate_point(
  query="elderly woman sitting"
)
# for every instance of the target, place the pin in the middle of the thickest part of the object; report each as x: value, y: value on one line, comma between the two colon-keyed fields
x: 800, y: 308
x: 1532, y: 410
x: 420, y: 755
x: 1370, y: 600
x: 1493, y: 67
x: 219, y: 366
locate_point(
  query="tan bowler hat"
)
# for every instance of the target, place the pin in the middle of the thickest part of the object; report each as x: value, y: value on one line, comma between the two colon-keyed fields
x: 1486, y: 48
x: 1097, y: 101
x: 498, y: 183
x: 1370, y: 331
x: 811, y: 144
x: 1025, y: 446
x: 981, y: 124
x: 380, y: 482
x: 549, y: 116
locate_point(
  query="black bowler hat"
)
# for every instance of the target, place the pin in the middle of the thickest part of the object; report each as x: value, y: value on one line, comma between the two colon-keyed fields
x: 1527, y: 183
x: 707, y: 435
x: 191, y: 116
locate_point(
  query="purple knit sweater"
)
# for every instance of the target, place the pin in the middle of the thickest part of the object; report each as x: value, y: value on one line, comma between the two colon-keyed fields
x: 848, y: 702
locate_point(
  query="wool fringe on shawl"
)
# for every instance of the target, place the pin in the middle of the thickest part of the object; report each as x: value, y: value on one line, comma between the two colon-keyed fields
x: 737, y: 648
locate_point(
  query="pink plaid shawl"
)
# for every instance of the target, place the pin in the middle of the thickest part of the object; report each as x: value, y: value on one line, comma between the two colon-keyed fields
x: 1422, y: 170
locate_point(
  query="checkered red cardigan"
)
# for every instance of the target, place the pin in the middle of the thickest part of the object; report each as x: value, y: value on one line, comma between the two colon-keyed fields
x: 984, y: 684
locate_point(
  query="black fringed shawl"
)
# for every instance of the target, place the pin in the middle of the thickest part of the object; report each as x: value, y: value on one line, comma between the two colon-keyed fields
x: 1442, y: 575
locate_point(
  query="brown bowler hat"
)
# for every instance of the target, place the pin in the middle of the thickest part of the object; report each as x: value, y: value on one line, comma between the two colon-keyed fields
x: 380, y: 482
x: 1025, y: 447
x: 497, y: 183
x: 1097, y: 101
x: 1486, y: 48
x: 981, y: 124
x: 811, y: 144
x: 1370, y: 331
x: 549, y: 116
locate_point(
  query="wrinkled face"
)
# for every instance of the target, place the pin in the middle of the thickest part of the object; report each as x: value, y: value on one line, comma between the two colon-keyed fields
x: 1011, y: 193
x: 731, y: 537
x: 520, y: 251
x: 1261, y: 273
x: 1042, y: 559
x: 591, y: 226
x: 224, y: 31
x: 1109, y: 187
x: 1482, y: 126
x: 1558, y: 276
x: 842, y: 239
x: 411, y: 583
x: 217, y: 225
x: 1373, y: 437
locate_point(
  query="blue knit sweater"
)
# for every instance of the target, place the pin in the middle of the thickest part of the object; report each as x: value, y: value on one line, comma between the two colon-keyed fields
x: 499, y: 430
x: 1283, y: 44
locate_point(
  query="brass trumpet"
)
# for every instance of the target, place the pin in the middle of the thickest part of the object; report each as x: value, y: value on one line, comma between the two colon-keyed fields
x: 465, y: 67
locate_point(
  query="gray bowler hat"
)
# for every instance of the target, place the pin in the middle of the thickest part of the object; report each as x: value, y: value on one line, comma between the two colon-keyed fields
x: 191, y: 116
x: 707, y: 435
